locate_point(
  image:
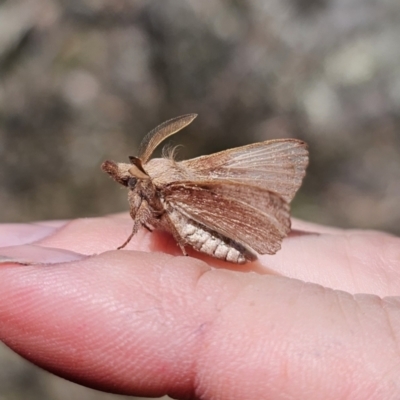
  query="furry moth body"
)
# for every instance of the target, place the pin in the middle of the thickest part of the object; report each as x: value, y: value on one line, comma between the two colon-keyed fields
x: 229, y: 204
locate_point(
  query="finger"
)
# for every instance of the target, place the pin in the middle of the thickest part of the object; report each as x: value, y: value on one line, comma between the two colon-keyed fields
x: 37, y: 255
x: 18, y: 234
x: 354, y: 261
x: 95, y: 235
x: 305, y: 226
x: 150, y: 324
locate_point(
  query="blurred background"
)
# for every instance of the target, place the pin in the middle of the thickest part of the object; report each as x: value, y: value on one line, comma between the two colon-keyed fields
x: 82, y: 81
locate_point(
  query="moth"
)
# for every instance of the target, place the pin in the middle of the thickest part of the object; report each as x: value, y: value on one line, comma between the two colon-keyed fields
x: 229, y: 205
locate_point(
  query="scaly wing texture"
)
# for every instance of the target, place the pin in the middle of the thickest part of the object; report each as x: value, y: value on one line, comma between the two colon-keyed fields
x: 274, y: 165
x: 161, y: 132
x: 246, y: 214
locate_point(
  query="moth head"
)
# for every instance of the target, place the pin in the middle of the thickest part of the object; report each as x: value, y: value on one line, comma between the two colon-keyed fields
x: 126, y: 174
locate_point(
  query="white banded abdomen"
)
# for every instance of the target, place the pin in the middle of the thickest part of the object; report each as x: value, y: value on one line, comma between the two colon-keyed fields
x: 209, y: 242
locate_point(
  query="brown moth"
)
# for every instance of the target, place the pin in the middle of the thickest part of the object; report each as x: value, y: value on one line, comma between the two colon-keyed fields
x: 228, y: 204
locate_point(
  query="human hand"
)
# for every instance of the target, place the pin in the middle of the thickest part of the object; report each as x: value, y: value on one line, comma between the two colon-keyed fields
x: 146, y: 321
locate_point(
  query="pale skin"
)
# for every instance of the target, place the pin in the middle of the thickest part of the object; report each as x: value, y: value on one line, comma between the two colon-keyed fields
x: 147, y: 321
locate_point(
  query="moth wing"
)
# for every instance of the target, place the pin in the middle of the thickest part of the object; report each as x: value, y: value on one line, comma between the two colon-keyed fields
x: 274, y: 165
x: 247, y: 214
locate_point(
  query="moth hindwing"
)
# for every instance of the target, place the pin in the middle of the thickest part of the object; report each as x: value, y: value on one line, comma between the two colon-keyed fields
x: 229, y: 204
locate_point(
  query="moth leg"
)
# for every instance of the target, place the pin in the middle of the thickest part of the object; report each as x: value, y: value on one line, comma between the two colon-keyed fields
x: 184, y: 252
x: 148, y: 228
x: 129, y: 238
x: 139, y: 219
x: 168, y: 224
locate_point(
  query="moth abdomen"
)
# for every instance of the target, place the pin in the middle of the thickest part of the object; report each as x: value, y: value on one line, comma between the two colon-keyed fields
x: 208, y: 241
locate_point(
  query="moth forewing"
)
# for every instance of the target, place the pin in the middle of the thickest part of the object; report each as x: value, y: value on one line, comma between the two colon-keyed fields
x: 275, y: 165
x: 224, y: 204
x: 247, y: 215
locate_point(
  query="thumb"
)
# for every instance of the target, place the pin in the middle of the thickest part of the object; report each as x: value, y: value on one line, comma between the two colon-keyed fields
x: 152, y: 324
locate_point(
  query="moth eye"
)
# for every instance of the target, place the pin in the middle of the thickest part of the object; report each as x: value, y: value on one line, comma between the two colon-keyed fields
x: 132, y: 183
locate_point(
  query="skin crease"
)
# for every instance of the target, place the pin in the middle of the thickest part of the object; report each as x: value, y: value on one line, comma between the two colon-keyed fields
x: 318, y: 320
